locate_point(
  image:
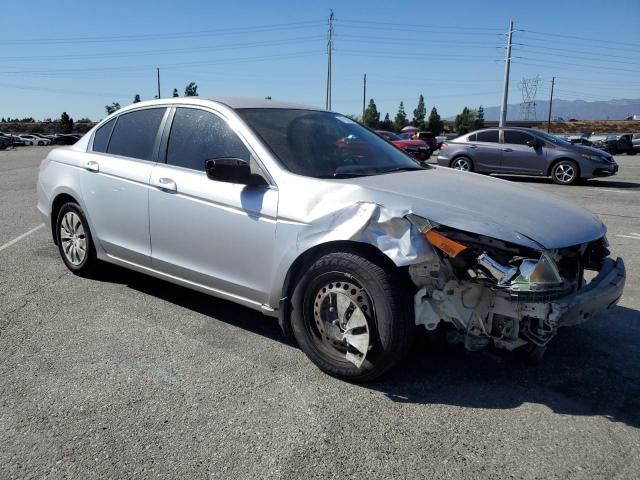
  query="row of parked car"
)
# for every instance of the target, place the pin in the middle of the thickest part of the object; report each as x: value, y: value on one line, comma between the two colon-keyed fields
x: 613, y: 143
x: 8, y: 140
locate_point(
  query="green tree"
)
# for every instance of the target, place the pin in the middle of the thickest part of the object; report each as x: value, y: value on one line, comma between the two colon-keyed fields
x: 66, y: 123
x: 114, y: 107
x: 478, y: 122
x: 386, y: 124
x: 435, y: 123
x: 401, y: 118
x: 175, y: 93
x: 136, y: 99
x: 418, y: 114
x: 3, y: 120
x: 191, y: 90
x: 371, y: 116
x: 464, y: 121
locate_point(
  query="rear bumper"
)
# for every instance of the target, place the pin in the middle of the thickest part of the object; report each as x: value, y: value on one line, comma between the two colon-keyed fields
x: 600, y: 295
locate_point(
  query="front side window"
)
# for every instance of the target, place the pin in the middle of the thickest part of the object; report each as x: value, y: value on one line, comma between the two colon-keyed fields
x: 197, y: 135
x: 324, y: 144
x: 101, y: 137
x: 134, y: 134
x: 490, y: 136
x: 516, y: 137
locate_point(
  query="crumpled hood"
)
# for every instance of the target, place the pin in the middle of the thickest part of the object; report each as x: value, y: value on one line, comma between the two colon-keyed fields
x: 501, y: 209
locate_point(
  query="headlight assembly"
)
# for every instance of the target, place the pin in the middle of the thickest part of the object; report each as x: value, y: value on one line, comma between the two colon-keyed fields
x: 594, y: 158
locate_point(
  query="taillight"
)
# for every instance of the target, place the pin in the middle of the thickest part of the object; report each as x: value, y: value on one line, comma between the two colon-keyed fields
x: 44, y: 164
x: 444, y: 145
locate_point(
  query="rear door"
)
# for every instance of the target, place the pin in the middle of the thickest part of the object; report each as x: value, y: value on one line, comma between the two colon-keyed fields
x: 518, y: 157
x: 115, y: 183
x: 485, y: 150
x: 214, y: 234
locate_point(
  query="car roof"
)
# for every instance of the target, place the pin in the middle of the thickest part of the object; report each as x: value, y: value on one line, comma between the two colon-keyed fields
x: 231, y: 102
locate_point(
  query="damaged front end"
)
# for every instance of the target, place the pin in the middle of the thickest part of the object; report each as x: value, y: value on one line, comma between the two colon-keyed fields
x: 497, y: 293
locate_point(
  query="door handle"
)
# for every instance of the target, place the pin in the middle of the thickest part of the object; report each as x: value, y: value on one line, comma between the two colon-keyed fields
x: 473, y: 146
x: 507, y: 150
x: 92, y: 166
x: 166, y: 184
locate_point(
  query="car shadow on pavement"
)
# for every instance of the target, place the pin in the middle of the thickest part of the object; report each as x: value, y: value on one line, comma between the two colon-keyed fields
x: 218, y: 309
x: 593, y: 182
x: 591, y: 369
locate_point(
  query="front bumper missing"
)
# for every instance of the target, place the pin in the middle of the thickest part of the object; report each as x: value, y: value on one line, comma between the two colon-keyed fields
x: 601, y: 294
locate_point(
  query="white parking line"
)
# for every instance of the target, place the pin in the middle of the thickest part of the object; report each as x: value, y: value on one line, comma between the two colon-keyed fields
x: 614, y: 191
x: 20, y: 237
x: 635, y: 236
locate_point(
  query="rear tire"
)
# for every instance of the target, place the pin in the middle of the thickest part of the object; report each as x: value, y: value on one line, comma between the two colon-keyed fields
x: 464, y: 164
x: 75, y: 243
x: 361, y: 287
x: 565, y: 172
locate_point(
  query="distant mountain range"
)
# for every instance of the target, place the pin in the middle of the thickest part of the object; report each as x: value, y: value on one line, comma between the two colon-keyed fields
x: 618, y: 109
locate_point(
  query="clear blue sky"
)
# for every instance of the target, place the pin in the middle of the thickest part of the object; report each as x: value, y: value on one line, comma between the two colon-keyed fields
x: 78, y: 56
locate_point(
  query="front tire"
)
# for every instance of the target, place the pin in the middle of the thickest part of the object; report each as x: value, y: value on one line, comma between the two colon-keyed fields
x: 352, y: 317
x: 74, y: 240
x: 565, y: 172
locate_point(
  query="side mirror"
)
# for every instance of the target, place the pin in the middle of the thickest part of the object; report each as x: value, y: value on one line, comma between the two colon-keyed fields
x: 533, y: 143
x: 231, y: 170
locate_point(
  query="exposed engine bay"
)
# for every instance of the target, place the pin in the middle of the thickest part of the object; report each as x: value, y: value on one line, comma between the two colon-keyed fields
x: 497, y: 293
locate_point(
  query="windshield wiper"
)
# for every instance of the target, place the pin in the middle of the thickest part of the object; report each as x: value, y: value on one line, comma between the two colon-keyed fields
x: 345, y: 175
x: 399, y: 169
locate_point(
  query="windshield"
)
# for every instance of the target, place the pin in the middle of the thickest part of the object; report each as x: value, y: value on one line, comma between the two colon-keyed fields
x: 324, y: 144
x: 553, y: 139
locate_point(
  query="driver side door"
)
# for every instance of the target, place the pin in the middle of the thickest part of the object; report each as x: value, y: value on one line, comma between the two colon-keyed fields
x: 213, y: 234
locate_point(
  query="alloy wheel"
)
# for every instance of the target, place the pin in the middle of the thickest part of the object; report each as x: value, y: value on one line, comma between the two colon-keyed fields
x: 565, y: 173
x: 462, y: 164
x: 73, y: 238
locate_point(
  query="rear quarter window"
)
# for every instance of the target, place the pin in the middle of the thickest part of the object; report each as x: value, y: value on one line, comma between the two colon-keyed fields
x: 101, y: 137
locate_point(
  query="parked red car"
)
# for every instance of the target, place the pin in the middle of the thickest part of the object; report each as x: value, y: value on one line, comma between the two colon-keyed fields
x: 418, y: 149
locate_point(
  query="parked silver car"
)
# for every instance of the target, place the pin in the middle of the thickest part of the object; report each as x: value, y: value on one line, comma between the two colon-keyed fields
x: 307, y: 216
x: 525, y: 151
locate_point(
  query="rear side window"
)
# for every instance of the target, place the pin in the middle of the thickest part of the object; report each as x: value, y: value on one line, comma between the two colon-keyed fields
x: 197, y: 136
x: 488, y: 136
x: 101, y: 137
x: 515, y: 137
x: 471, y: 138
x: 135, y: 133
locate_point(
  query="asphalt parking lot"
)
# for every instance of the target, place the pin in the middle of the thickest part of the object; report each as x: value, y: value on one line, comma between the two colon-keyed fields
x: 127, y: 375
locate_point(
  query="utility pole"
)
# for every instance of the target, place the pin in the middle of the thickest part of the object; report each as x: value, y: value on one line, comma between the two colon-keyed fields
x: 553, y: 81
x: 505, y: 88
x: 364, y: 95
x: 158, y: 70
x: 329, y: 51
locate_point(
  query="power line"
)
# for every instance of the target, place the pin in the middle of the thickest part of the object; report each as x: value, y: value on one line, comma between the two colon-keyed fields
x: 124, y: 54
x: 163, y: 36
x: 575, y: 37
x: 403, y: 25
x: 128, y: 68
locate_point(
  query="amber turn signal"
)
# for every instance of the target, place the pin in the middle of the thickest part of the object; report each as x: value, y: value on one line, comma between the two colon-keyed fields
x: 448, y: 246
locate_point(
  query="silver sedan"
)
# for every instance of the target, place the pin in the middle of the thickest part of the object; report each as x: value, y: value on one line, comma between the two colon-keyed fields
x: 307, y: 216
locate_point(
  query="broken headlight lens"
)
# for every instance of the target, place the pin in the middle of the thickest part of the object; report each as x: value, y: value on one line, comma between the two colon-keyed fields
x: 538, y: 274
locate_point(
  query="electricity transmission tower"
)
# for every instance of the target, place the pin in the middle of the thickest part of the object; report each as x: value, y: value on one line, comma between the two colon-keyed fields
x: 529, y: 89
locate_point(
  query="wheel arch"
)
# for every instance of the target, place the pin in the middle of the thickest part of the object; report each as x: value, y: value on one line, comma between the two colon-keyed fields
x: 56, y: 205
x: 308, y: 257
